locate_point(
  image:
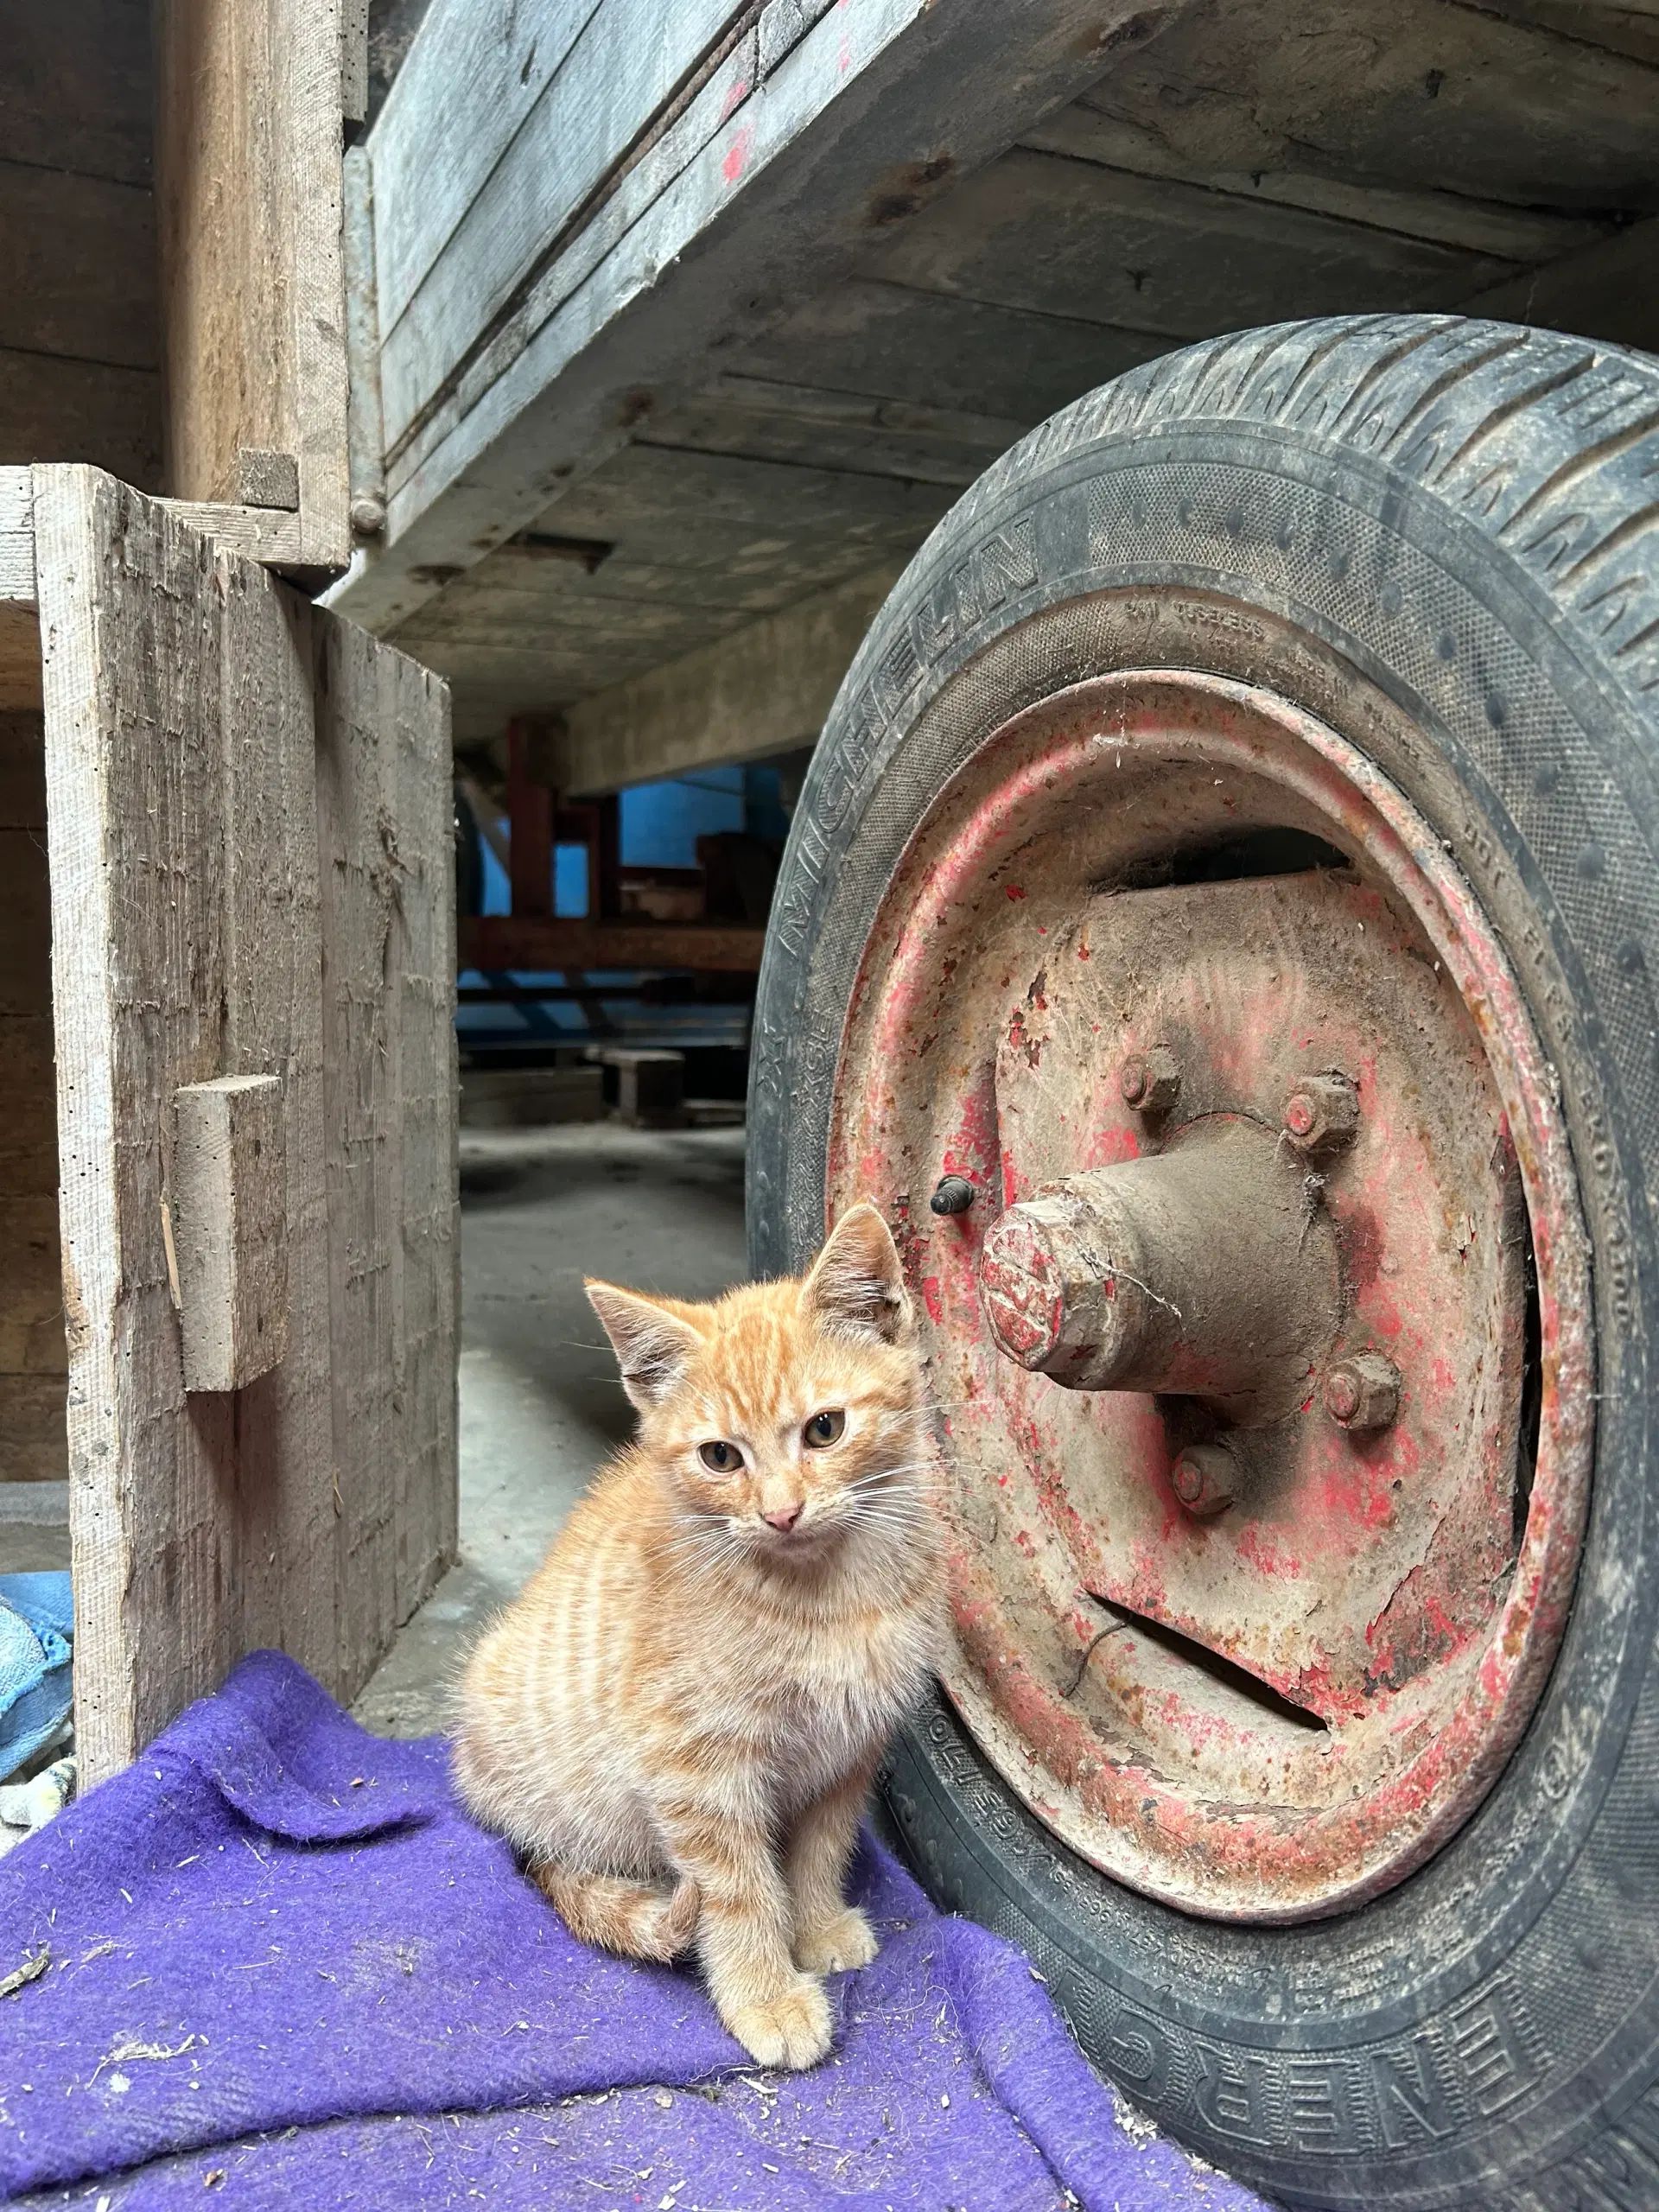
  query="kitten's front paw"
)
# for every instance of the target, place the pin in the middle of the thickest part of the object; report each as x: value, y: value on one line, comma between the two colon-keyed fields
x: 791, y: 2030
x: 838, y: 1945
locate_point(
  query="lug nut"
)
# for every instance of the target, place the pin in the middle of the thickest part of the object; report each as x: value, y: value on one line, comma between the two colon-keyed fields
x: 1206, y: 1479
x: 955, y: 1194
x: 1322, y: 1114
x: 1151, y: 1081
x: 1363, y: 1391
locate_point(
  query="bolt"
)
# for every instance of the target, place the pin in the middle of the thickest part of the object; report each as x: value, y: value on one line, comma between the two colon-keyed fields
x: 955, y: 1194
x: 368, y: 515
x: 1151, y: 1082
x: 1363, y: 1391
x: 1206, y: 1479
x: 1322, y: 1114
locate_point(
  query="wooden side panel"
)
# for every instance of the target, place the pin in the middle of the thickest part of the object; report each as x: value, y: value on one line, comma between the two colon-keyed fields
x: 190, y: 940
x: 390, y: 1112
x: 248, y: 193
x: 623, y: 67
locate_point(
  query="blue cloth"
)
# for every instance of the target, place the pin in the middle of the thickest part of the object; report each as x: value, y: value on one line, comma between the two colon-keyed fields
x: 283, y: 1962
x: 37, y: 1621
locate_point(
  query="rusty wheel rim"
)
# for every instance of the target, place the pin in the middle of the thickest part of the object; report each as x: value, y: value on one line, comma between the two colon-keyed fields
x: 1249, y: 1612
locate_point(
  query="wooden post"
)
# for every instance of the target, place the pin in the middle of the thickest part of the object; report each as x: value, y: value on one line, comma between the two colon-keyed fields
x: 530, y: 829
x: 248, y: 215
x: 605, y: 860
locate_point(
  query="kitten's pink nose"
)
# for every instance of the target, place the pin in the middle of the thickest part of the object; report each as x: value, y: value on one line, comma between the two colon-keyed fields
x: 784, y: 1517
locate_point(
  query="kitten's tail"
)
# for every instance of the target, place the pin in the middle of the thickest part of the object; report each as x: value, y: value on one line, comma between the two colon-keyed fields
x: 617, y: 1914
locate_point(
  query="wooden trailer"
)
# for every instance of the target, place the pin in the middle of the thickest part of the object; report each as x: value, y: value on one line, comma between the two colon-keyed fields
x: 1194, y: 458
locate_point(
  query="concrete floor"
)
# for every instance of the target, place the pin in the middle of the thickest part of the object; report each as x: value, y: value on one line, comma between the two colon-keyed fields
x: 540, y: 1404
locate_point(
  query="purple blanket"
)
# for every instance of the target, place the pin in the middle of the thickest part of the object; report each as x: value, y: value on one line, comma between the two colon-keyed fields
x: 282, y: 1963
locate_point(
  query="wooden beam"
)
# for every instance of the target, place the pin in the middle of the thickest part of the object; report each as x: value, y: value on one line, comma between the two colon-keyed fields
x: 783, y: 185
x: 538, y: 946
x: 765, y: 688
x: 248, y: 206
x: 529, y: 831
x: 1609, y: 291
x: 229, y: 1229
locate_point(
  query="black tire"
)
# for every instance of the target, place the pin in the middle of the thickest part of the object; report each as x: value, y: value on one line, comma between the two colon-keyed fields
x: 1443, y: 537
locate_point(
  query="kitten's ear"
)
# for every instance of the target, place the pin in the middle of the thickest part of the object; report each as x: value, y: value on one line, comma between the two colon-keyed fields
x: 857, y: 1287
x: 653, y: 1344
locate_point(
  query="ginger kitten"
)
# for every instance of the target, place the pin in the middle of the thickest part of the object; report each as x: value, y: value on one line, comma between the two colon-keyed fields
x: 678, y: 1720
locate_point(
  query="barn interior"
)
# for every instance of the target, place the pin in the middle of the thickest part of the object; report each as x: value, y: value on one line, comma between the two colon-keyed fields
x: 643, y: 641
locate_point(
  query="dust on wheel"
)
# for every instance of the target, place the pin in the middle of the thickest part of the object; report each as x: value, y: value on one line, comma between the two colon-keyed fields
x: 1219, y: 928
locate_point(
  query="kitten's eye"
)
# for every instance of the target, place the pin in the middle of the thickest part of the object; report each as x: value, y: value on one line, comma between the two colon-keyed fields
x: 824, y: 1428
x: 720, y: 1458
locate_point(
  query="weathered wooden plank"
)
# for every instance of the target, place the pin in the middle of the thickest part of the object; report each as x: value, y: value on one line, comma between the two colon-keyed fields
x: 629, y: 195
x: 75, y: 87
x: 765, y: 688
x: 134, y: 763
x: 82, y: 410
x: 183, y: 694
x: 928, y: 347
x: 33, y: 1447
x: 248, y: 215
x: 473, y: 75
x: 28, y: 1131
x: 537, y: 943
x: 1085, y: 132
x: 784, y: 24
x: 757, y: 418
x: 623, y: 66
x: 855, y: 124
x: 230, y: 1229
x: 77, y: 267
x: 386, y: 839
x: 31, y: 1304
x: 17, y: 536
x: 354, y: 59
x: 33, y: 1357
x: 1610, y: 291
x: 1408, y: 94
x: 1054, y: 235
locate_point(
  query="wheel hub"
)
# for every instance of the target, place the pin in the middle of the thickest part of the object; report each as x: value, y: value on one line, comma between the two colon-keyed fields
x: 1207, y: 1270
x: 1264, y: 1515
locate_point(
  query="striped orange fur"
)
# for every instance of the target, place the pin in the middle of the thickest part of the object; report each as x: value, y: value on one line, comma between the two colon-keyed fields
x: 678, y: 1721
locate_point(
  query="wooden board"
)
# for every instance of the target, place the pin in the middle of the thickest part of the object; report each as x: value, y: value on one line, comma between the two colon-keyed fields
x: 1410, y: 95
x: 81, y: 410
x: 624, y: 60
x: 875, y: 336
x: 248, y: 189
x: 1054, y: 235
x: 75, y: 89
x: 33, y: 1359
x: 764, y: 689
x: 77, y: 267
x: 191, y: 710
x: 704, y: 544
x: 386, y: 835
